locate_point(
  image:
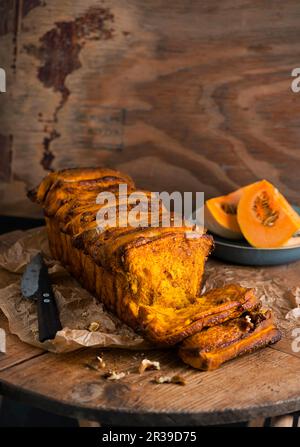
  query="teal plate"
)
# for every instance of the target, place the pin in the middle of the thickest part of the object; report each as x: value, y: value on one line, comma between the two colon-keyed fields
x: 240, y: 252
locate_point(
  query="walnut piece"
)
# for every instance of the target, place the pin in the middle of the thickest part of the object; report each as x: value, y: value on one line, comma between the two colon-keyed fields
x: 2, y: 341
x: 148, y: 364
x: 178, y: 380
x: 94, y: 326
x: 101, y: 362
x: 248, y: 324
x: 113, y: 375
x: 293, y: 296
x: 96, y: 364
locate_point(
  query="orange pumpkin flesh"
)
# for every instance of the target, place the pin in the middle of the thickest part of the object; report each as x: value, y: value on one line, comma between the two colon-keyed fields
x: 221, y: 215
x: 265, y: 217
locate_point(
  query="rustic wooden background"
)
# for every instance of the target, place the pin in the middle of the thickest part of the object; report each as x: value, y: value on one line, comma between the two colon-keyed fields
x: 184, y: 94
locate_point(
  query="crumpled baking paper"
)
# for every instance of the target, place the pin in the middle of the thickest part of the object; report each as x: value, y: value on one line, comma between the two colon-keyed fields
x: 277, y: 287
x: 77, y: 307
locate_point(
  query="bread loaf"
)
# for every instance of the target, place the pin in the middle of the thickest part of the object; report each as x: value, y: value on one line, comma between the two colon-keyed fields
x: 149, y: 277
x: 213, y: 346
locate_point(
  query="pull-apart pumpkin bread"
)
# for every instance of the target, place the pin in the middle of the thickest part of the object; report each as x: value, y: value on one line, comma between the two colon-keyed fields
x: 211, y: 347
x: 170, y: 325
x: 149, y: 276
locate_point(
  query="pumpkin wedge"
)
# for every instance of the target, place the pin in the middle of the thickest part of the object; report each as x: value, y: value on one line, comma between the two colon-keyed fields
x: 265, y: 217
x: 221, y: 215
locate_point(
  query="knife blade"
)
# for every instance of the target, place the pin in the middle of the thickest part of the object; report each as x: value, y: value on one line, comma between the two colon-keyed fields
x: 36, y: 285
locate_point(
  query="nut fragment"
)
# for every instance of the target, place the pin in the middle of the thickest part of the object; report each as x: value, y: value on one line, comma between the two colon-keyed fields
x: 248, y: 323
x: 94, y: 326
x: 178, y: 380
x: 92, y: 365
x: 2, y: 341
x: 96, y: 364
x: 113, y: 375
x: 148, y: 364
x: 293, y: 296
x: 101, y: 362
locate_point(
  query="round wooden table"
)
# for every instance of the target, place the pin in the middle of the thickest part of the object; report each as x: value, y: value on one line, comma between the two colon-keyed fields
x: 263, y: 384
x: 266, y: 383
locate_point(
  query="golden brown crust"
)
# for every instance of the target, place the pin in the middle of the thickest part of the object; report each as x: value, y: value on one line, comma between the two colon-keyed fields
x: 138, y: 266
x: 210, y: 348
x: 60, y: 186
x: 170, y: 326
x: 149, y: 276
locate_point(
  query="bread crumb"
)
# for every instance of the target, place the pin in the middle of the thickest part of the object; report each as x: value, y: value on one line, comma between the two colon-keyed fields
x: 113, y: 375
x: 148, y: 364
x: 101, y: 362
x: 178, y: 380
x: 94, y: 326
x: 294, y: 296
x: 2, y: 341
x: 248, y: 324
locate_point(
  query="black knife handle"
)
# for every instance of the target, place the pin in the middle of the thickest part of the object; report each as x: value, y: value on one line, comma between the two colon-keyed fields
x: 48, y: 318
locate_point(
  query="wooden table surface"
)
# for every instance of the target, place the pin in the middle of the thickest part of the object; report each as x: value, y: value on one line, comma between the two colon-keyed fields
x: 266, y: 383
x: 182, y: 95
x: 263, y: 384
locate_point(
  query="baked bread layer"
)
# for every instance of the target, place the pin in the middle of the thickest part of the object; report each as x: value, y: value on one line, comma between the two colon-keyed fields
x: 208, y: 349
x: 149, y: 276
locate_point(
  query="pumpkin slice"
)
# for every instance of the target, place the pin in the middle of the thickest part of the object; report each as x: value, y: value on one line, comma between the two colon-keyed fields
x: 221, y: 215
x: 265, y: 217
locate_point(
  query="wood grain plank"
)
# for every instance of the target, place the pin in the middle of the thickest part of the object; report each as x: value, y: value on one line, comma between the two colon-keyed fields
x: 263, y: 384
x: 193, y: 97
x: 285, y: 345
x: 16, y: 351
x: 8, y: 63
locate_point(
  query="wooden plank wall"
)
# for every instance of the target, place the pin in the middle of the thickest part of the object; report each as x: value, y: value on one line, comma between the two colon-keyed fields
x: 190, y: 95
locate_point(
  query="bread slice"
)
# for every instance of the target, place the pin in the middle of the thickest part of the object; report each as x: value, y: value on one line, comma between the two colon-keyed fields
x: 149, y: 276
x: 170, y: 325
x: 125, y: 267
x: 208, y: 349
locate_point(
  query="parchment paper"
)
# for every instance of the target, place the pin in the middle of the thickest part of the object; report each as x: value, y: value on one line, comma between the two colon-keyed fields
x: 277, y: 287
x: 77, y: 307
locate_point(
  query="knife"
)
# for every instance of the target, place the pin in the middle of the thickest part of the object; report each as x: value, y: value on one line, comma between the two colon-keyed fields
x: 36, y: 285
